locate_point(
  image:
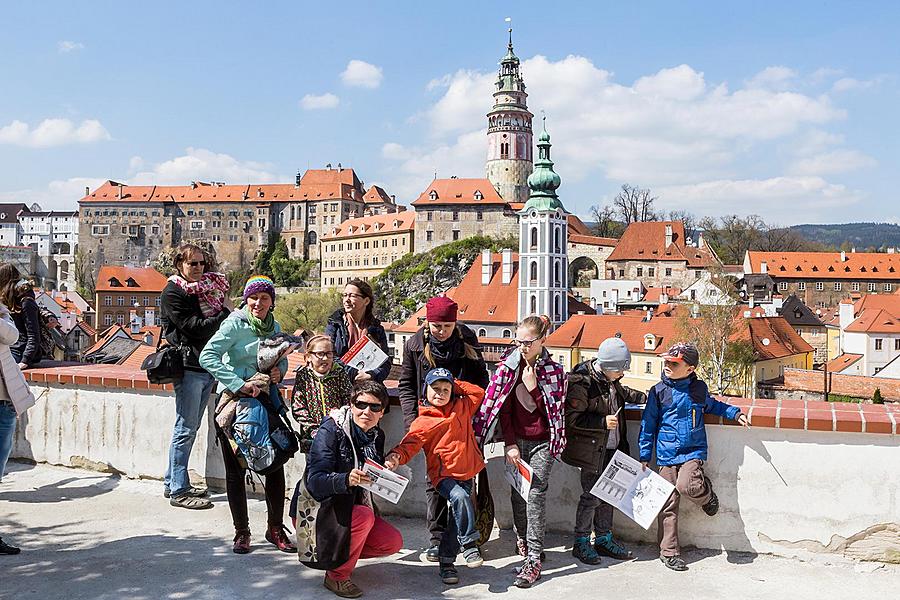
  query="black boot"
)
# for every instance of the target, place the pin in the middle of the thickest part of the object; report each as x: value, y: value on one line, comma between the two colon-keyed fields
x: 7, y: 549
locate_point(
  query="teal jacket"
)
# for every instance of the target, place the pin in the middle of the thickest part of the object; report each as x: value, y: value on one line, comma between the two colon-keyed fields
x: 230, y: 354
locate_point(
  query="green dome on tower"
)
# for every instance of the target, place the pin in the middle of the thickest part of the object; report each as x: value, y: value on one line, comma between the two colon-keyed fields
x: 543, y: 181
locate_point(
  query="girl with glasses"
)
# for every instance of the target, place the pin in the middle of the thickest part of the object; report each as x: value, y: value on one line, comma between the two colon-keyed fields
x: 343, y: 442
x: 320, y: 386
x: 353, y: 320
x: 526, y: 396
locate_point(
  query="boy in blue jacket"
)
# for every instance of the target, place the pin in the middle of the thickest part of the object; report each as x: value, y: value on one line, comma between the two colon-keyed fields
x: 673, y: 422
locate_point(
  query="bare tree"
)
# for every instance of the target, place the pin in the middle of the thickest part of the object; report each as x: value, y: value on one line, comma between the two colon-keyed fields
x: 634, y: 204
x: 688, y: 219
x: 605, y: 224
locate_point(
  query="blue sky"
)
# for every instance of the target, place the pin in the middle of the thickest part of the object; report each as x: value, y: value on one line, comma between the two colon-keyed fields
x: 786, y: 110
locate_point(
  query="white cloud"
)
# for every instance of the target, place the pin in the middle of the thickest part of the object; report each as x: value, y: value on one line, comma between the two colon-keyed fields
x: 779, y: 200
x: 53, y: 132
x: 773, y: 78
x: 359, y: 73
x: 66, y: 46
x: 62, y: 194
x: 199, y: 164
x: 322, y: 101
x: 847, y: 84
x: 836, y: 161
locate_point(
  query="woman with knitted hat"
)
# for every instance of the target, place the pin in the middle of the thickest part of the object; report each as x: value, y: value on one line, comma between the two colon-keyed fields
x: 231, y: 357
x: 440, y: 342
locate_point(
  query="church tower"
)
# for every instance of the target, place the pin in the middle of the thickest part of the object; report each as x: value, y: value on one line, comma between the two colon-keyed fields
x: 509, y: 132
x: 543, y: 238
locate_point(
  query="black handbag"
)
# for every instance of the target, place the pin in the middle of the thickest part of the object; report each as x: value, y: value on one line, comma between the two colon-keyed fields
x: 166, y: 365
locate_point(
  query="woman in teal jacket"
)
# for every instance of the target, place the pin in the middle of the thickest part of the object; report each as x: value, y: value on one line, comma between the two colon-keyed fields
x: 231, y: 357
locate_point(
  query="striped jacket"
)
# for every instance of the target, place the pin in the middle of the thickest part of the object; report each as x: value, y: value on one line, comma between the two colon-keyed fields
x: 552, y: 381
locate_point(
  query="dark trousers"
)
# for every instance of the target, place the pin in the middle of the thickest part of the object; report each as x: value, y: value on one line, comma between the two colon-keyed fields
x: 689, y: 481
x: 237, y: 493
x: 436, y: 514
x: 592, y: 512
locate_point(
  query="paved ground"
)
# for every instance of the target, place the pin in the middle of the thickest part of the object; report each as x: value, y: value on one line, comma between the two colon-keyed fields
x: 92, y: 536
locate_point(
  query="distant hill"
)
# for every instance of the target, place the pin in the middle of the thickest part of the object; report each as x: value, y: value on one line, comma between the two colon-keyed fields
x: 862, y: 236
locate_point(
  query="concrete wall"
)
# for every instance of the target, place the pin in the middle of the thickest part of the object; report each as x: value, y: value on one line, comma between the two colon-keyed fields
x: 781, y: 491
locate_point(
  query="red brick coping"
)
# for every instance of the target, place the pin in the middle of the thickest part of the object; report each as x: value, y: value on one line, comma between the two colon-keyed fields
x: 780, y: 414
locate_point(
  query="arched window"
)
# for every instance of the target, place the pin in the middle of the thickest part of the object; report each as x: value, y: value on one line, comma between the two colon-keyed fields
x: 533, y: 243
x: 507, y: 333
x: 533, y: 305
x: 482, y: 332
x: 293, y: 243
x: 557, y: 308
x: 504, y: 150
x: 313, y: 238
x: 533, y: 272
x: 557, y: 279
x: 557, y: 239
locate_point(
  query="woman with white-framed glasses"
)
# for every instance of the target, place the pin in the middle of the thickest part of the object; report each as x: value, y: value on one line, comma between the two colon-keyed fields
x: 320, y: 386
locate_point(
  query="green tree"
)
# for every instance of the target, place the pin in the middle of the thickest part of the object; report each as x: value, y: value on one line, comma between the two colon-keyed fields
x: 306, y: 310
x: 877, y: 397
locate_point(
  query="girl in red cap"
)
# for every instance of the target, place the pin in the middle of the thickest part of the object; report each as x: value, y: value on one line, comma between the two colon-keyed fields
x: 440, y: 342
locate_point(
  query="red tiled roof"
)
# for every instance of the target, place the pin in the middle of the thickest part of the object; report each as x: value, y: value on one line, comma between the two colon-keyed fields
x: 591, y: 240
x: 647, y: 241
x: 888, y: 302
x: 377, y: 195
x: 86, y: 328
x: 826, y: 265
x: 458, y: 191
x: 136, y: 358
x: 153, y: 330
x: 373, y: 225
x: 783, y: 340
x: 104, y: 337
x: 578, y: 227
x: 344, y: 176
x: 653, y: 293
x: 875, y: 320
x: 588, y: 331
x: 838, y: 364
x: 145, y: 278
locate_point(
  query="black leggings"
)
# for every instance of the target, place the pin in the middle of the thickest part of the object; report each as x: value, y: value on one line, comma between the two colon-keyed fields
x: 237, y: 493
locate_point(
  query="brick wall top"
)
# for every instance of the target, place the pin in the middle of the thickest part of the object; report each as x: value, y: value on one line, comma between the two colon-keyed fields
x: 778, y: 414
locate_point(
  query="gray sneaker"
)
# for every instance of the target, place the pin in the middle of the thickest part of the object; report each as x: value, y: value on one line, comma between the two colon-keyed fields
x: 190, y: 502
x: 472, y: 557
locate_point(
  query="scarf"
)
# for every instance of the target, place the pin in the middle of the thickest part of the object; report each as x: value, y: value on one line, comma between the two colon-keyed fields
x: 449, y: 350
x: 364, y: 442
x: 210, y: 291
x: 354, y: 330
x: 261, y: 327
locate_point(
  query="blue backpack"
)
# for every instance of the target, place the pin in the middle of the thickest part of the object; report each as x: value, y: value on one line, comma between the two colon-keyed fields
x: 263, y: 434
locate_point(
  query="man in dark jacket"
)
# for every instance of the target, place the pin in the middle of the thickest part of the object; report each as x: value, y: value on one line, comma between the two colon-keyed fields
x: 441, y: 342
x: 185, y: 326
x: 595, y: 429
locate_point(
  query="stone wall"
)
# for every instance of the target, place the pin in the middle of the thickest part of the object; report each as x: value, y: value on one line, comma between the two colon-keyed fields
x: 807, y: 478
x: 859, y: 386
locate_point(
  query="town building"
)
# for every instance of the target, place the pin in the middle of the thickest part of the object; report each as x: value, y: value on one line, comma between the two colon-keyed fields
x: 658, y: 254
x: 869, y: 335
x: 69, y: 307
x: 54, y: 237
x: 808, y: 325
x: 705, y: 291
x: 121, y: 290
x: 379, y: 202
x: 9, y: 223
x: 821, y: 279
x: 363, y: 247
x: 606, y: 294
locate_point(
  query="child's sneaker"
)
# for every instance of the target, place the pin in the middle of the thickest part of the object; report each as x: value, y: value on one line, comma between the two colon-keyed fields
x: 676, y: 563
x: 528, y: 573
x: 449, y: 574
x: 472, y: 556
x: 711, y: 507
x: 583, y: 551
x: 607, y: 546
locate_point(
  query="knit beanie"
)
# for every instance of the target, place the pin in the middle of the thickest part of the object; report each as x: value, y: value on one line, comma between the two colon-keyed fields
x: 259, y: 283
x: 613, y: 355
x: 441, y: 309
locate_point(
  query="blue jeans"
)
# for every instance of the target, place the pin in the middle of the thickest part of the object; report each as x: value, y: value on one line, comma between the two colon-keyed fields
x: 461, y: 527
x: 7, y: 432
x: 191, y: 398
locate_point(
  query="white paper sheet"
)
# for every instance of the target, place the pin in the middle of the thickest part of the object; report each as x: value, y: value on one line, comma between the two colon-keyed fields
x: 385, y: 483
x: 519, y: 477
x: 638, y: 494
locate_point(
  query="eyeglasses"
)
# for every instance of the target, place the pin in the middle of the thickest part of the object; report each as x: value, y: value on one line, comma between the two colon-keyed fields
x: 375, y: 408
x: 323, y: 355
x: 196, y: 263
x: 352, y: 295
x: 525, y: 343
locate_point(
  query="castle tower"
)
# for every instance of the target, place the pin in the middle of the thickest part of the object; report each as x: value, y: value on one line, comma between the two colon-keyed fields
x: 509, y: 132
x: 543, y: 238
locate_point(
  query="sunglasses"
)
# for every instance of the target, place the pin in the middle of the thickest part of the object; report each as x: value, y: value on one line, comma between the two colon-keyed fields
x: 323, y: 355
x: 375, y: 408
x: 197, y: 263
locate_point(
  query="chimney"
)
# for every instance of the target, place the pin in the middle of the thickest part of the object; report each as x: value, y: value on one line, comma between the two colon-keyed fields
x: 664, y: 298
x: 763, y: 267
x: 120, y: 191
x: 135, y: 322
x: 507, y: 266
x: 328, y: 166
x: 845, y: 315
x: 297, y: 179
x: 148, y: 338
x: 340, y: 168
x: 700, y: 240
x: 853, y: 249
x: 843, y: 256
x: 87, y: 191
x: 486, y: 266
x: 393, y: 198
x: 668, y: 234
x: 150, y: 315
x: 891, y: 250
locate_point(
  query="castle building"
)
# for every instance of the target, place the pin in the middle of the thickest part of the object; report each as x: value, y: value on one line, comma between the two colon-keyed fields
x: 543, y: 260
x: 509, y: 154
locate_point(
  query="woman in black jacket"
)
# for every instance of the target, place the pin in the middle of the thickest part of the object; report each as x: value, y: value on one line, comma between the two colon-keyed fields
x: 344, y: 441
x: 441, y: 342
x: 185, y: 325
x: 19, y: 298
x: 354, y: 320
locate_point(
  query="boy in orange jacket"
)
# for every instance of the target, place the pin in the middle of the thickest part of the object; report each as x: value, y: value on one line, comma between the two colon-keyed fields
x: 444, y: 429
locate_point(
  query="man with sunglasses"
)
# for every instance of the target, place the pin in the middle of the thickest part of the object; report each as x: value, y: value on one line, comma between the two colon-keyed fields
x: 673, y: 426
